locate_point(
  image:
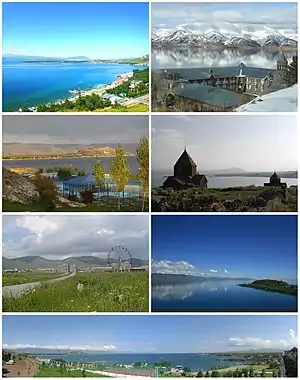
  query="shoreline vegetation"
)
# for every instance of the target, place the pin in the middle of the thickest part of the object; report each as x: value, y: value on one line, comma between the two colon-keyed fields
x: 236, y: 199
x: 273, y: 286
x: 125, y: 94
x: 61, y: 156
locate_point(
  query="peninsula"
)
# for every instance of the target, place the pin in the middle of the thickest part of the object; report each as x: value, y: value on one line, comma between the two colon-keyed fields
x: 273, y: 286
x: 84, y: 152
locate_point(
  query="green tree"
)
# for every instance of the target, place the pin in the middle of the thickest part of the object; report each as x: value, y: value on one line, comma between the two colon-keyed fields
x: 291, y: 72
x: 200, y: 374
x: 83, y: 373
x: 251, y: 372
x: 120, y: 171
x: 47, y: 191
x: 274, y: 374
x: 143, y: 161
x: 263, y: 373
x: 207, y: 374
x: 99, y: 174
x: 215, y: 374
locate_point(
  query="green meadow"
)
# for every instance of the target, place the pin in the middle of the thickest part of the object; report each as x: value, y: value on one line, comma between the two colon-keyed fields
x: 102, y: 292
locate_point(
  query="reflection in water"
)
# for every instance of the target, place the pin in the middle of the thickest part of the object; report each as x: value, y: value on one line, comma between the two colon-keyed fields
x: 184, y: 291
x: 172, y: 57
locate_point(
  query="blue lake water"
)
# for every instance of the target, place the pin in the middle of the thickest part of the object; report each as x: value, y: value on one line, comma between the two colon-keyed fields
x: 194, y: 361
x: 157, y: 179
x: 218, y: 296
x: 28, y: 84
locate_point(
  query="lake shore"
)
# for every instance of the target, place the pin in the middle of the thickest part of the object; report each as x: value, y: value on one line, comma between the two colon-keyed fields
x: 61, y: 157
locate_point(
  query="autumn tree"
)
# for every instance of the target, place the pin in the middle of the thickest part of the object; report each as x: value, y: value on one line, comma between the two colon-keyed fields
x: 99, y: 174
x: 120, y: 171
x: 143, y: 161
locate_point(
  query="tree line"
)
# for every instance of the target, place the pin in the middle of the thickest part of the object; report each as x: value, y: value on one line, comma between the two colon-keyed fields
x: 120, y: 172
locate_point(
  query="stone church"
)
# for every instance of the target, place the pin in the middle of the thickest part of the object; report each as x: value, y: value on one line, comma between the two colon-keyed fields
x: 185, y: 174
x: 275, y: 181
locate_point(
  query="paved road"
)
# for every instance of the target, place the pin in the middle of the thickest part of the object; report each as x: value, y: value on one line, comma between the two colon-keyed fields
x: 20, y: 289
x: 144, y: 99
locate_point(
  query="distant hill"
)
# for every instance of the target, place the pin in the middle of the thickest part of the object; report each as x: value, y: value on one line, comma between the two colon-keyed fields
x: 82, y: 262
x: 16, y: 148
x: 79, y: 57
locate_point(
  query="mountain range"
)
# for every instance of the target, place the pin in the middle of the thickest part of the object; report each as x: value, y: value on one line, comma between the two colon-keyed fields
x: 82, y: 262
x: 16, y: 148
x: 225, y: 35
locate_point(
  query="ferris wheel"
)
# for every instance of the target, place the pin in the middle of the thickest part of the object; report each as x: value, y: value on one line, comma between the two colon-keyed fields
x: 119, y: 258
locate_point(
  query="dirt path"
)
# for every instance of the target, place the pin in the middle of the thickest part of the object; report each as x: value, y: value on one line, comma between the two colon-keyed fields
x: 20, y: 289
x: 21, y: 369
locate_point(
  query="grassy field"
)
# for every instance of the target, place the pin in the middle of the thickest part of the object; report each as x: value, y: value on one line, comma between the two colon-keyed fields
x: 24, y: 278
x: 103, y: 292
x: 62, y: 372
x: 9, y: 206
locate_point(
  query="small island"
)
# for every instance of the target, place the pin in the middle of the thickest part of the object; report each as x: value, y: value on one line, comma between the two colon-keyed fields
x: 273, y: 286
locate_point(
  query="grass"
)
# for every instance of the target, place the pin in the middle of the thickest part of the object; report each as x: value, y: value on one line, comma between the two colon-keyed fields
x: 58, y: 372
x: 249, y: 198
x: 103, y: 292
x: 133, y: 205
x: 24, y: 278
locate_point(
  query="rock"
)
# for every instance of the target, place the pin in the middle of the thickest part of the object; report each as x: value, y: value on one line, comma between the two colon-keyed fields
x: 66, y: 202
x: 16, y: 188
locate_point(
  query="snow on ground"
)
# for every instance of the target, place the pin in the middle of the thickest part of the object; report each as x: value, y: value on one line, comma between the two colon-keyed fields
x: 285, y: 100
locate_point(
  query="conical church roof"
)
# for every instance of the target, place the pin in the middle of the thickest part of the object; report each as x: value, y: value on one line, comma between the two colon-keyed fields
x: 185, y: 159
x: 274, y: 175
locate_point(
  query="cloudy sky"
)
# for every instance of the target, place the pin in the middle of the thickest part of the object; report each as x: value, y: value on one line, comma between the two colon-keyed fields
x: 57, y: 237
x: 150, y: 334
x: 251, y: 143
x: 277, y: 15
x: 74, y: 129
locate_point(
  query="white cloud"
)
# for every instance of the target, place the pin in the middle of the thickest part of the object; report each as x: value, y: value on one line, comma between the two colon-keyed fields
x: 213, y: 270
x: 60, y: 347
x: 259, y: 343
x: 179, y: 14
x: 64, y: 236
x: 173, y: 267
x: 225, y: 270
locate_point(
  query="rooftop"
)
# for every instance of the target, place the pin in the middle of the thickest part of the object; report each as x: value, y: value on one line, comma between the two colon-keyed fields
x: 185, y: 158
x: 216, y: 96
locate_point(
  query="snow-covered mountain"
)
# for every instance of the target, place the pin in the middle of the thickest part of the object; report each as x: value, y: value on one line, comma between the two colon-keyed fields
x: 225, y: 34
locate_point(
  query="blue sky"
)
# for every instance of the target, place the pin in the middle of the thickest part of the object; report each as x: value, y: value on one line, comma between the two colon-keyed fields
x: 277, y: 15
x: 150, y: 333
x: 95, y: 30
x: 253, y: 246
